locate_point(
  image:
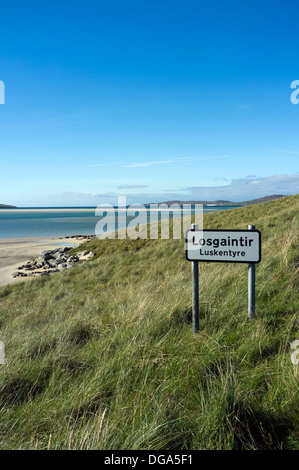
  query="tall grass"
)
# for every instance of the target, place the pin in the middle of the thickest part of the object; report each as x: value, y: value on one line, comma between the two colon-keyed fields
x: 102, y: 356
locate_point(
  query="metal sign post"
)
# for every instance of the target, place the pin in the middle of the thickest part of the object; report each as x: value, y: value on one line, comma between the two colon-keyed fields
x: 195, y: 300
x: 224, y: 246
x: 251, y: 285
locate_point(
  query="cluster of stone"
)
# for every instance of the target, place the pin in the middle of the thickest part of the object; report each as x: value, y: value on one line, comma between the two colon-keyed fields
x: 50, y: 261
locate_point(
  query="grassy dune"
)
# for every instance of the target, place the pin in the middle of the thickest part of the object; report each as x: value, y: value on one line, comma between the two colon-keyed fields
x: 102, y: 356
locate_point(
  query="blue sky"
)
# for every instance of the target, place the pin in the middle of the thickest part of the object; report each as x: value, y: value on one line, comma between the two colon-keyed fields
x: 156, y: 100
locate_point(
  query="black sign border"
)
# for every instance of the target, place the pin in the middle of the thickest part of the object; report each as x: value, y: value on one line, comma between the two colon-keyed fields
x: 225, y: 261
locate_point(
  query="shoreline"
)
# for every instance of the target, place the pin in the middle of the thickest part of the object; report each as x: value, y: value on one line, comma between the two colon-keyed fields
x: 59, y: 209
x: 114, y: 209
x: 16, y: 251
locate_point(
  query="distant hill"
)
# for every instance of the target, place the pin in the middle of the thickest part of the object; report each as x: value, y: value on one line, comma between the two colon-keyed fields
x: 226, y: 203
x: 262, y: 199
x: 5, y: 206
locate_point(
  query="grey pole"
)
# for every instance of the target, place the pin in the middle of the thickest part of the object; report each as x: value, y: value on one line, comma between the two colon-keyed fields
x: 195, y: 292
x: 251, y: 285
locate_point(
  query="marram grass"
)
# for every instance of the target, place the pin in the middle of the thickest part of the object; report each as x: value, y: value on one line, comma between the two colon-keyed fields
x: 102, y: 356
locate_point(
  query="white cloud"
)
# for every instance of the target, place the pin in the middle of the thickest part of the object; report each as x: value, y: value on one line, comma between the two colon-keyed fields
x: 137, y: 165
x: 132, y: 186
x: 174, y: 160
x: 238, y: 190
x: 243, y: 189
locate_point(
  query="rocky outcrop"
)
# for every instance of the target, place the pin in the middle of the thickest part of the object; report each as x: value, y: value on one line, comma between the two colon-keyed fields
x: 51, y: 261
x: 82, y: 237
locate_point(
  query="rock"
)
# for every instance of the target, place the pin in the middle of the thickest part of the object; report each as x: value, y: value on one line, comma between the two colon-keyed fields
x: 48, y: 257
x: 51, y: 261
x: 17, y: 274
x: 64, y: 249
x: 62, y: 267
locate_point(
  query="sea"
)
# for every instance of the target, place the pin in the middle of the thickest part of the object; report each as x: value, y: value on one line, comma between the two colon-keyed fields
x: 48, y: 222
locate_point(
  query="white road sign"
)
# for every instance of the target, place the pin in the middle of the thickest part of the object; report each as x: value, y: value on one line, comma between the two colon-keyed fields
x: 226, y: 246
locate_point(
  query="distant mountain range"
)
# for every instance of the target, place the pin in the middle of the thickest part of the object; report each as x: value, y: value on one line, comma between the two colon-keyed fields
x: 217, y: 203
x: 226, y: 203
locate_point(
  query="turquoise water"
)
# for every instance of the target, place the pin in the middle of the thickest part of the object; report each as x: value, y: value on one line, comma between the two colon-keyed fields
x: 21, y: 223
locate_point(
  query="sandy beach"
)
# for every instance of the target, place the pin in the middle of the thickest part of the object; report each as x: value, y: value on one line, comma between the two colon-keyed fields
x: 14, y: 252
